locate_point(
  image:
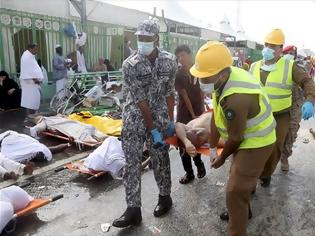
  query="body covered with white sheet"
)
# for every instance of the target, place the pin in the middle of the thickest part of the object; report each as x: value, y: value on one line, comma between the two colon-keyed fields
x: 107, y: 157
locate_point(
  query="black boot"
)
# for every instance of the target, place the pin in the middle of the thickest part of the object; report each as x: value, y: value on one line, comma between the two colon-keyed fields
x: 225, y: 215
x: 132, y: 216
x: 265, y: 182
x: 164, y: 205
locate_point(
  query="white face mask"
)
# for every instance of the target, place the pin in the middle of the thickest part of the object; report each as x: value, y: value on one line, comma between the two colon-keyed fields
x: 145, y: 48
x: 288, y: 57
x: 269, y: 67
x: 206, y: 88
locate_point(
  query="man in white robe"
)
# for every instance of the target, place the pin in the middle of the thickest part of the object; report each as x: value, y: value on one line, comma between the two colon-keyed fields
x: 31, y: 76
x: 81, y: 60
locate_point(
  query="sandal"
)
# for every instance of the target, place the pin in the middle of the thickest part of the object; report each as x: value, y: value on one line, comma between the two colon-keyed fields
x: 186, y: 179
x: 201, y: 171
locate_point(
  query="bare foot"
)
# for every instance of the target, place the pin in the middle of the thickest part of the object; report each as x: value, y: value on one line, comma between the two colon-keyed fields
x: 10, y: 175
x: 29, y: 167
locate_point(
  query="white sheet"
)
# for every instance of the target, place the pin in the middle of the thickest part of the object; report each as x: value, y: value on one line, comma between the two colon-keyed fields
x: 21, y: 147
x: 107, y: 157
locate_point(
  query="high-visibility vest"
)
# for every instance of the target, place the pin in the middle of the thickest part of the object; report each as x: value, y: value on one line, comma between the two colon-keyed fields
x: 260, y: 130
x: 278, y: 85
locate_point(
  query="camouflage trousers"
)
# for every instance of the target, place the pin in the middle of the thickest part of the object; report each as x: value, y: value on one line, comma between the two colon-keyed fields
x: 295, y: 114
x: 132, y: 144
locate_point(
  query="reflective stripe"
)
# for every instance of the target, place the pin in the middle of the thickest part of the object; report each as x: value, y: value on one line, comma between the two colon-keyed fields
x: 279, y: 96
x: 241, y: 84
x: 277, y: 85
x: 223, y: 130
x: 286, y: 72
x: 285, y: 78
x: 256, y: 120
x: 263, y: 132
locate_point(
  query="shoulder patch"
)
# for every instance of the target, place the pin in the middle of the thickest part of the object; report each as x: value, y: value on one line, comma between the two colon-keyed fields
x: 168, y: 55
x: 133, y: 60
x: 229, y: 114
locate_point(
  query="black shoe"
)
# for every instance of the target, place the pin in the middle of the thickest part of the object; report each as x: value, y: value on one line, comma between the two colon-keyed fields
x: 132, y: 216
x: 164, y: 205
x: 265, y: 182
x: 225, y: 215
x: 201, y: 171
x: 186, y: 179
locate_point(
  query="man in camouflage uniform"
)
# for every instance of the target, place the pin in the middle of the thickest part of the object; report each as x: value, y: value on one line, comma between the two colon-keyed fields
x: 149, y: 76
x: 290, y: 52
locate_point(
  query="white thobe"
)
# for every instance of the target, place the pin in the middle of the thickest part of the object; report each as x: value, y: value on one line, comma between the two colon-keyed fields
x: 30, y: 90
x: 81, y: 62
x: 7, y: 166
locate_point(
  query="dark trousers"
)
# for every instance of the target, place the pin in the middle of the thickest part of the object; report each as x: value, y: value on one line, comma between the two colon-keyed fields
x: 186, y: 160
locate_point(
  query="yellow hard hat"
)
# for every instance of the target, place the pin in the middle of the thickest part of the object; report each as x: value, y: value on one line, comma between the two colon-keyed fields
x: 276, y: 37
x: 211, y: 58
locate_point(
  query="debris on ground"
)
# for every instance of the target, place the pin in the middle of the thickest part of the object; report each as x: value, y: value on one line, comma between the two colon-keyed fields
x: 305, y: 140
x: 221, y: 184
x: 155, y: 230
x: 105, y: 227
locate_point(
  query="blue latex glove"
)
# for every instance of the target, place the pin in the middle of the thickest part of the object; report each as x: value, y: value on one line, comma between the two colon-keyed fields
x: 157, y: 138
x: 170, y: 129
x: 307, y: 110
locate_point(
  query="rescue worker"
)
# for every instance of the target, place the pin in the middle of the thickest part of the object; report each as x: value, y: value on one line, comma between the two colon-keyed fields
x: 290, y: 53
x: 149, y: 76
x: 243, y: 117
x: 277, y: 76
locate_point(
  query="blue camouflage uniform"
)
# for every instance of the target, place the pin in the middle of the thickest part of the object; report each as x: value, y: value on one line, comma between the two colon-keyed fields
x: 150, y: 82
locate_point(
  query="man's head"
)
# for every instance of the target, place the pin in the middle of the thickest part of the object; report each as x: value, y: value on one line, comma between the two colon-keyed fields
x: 212, y: 66
x: 3, y: 75
x: 197, y: 136
x: 290, y: 52
x: 33, y: 48
x: 273, y: 45
x: 183, y: 55
x: 148, y: 36
x: 58, y: 49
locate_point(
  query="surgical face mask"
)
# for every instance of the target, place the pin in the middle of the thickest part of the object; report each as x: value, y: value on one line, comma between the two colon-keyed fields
x: 145, y: 48
x: 206, y: 88
x: 268, y: 67
x: 268, y: 53
x: 288, y: 57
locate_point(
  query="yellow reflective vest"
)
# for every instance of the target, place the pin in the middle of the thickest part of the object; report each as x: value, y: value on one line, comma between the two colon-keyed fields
x: 278, y: 85
x: 260, y: 130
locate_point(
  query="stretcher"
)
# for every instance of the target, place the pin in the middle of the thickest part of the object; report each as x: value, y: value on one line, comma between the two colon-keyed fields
x: 79, y: 167
x: 204, y: 150
x: 65, y: 138
x: 35, y: 204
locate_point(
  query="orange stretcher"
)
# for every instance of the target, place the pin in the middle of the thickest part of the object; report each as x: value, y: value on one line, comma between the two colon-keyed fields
x: 65, y: 138
x: 203, y: 150
x: 78, y: 166
x: 35, y: 204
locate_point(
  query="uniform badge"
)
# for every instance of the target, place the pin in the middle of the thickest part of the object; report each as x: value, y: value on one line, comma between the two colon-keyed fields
x: 229, y: 114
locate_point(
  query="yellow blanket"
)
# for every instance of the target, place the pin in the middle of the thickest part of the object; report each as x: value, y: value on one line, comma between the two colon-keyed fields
x: 103, y: 124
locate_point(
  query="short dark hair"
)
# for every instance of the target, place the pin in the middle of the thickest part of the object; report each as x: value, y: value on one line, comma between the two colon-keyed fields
x: 4, y: 73
x: 182, y: 48
x: 31, y: 45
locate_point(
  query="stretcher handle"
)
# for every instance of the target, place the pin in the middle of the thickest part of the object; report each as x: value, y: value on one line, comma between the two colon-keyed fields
x: 55, y: 198
x: 60, y: 169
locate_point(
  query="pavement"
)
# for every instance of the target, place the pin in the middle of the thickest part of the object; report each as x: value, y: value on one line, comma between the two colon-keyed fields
x: 287, y: 207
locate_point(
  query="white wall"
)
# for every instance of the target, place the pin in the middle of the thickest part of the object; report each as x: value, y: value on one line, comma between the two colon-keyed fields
x: 58, y: 8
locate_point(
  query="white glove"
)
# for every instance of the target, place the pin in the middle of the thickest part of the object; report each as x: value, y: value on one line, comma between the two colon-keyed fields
x: 213, y: 153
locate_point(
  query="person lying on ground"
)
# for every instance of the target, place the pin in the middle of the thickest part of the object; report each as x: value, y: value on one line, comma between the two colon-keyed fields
x: 10, y: 169
x: 78, y: 131
x: 195, y: 133
x: 21, y: 147
x: 110, y: 157
x: 12, y: 199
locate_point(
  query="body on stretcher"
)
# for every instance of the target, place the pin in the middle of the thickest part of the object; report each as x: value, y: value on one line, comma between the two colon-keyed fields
x: 202, y: 150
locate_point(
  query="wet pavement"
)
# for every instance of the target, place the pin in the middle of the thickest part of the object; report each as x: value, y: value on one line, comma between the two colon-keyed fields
x: 287, y: 207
